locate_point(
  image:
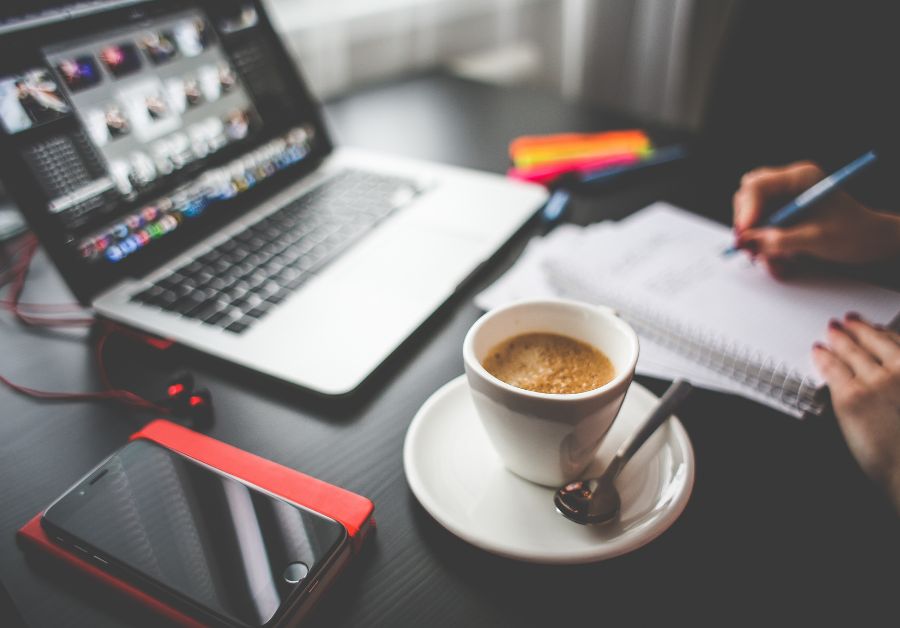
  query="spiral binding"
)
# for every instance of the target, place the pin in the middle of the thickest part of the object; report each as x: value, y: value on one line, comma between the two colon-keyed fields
x: 731, y: 359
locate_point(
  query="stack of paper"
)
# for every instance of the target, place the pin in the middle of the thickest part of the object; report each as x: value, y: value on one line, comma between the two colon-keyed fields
x: 662, y: 268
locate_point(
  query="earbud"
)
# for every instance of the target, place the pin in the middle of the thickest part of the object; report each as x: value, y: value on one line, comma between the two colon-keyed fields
x: 193, y: 407
x: 179, y: 384
x: 200, y: 408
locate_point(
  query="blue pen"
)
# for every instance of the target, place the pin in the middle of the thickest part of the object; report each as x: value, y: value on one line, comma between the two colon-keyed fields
x: 794, y: 211
x: 556, y: 206
x: 659, y: 157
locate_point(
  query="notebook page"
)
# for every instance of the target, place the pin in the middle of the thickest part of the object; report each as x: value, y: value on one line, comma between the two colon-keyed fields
x: 669, y: 262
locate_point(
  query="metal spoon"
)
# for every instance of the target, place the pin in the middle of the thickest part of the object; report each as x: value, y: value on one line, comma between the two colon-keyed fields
x: 597, y: 500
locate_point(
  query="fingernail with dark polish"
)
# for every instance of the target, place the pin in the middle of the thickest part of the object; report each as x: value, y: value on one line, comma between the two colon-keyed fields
x: 835, y: 324
x: 853, y: 316
x: 818, y: 345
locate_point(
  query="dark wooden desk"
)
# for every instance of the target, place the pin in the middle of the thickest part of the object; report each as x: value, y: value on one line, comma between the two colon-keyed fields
x: 781, y: 527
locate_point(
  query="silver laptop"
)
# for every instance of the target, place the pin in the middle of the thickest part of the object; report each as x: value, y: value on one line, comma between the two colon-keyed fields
x: 175, y: 167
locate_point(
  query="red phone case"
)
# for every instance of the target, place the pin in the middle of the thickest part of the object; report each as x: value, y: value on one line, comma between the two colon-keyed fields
x: 352, y: 510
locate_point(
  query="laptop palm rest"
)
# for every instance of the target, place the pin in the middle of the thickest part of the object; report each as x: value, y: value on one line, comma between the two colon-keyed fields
x: 342, y: 326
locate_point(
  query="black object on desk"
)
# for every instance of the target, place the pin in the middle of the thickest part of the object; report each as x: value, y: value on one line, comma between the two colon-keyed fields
x: 726, y: 557
x: 596, y: 182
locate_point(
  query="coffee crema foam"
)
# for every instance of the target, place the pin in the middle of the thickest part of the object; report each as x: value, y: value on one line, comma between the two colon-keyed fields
x: 549, y: 363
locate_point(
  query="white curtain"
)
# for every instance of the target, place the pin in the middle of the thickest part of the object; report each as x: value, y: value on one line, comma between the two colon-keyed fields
x: 343, y: 43
x: 650, y: 58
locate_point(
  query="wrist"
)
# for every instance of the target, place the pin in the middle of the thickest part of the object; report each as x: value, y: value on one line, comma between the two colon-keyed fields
x: 892, y: 225
x: 885, y: 235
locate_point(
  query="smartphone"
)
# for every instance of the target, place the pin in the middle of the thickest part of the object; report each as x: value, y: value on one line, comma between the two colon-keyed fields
x: 205, y: 542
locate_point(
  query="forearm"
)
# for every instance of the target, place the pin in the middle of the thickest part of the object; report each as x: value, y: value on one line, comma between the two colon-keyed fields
x: 885, y: 235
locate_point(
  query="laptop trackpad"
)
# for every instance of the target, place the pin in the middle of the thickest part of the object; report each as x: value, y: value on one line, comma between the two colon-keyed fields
x: 411, y: 259
x: 347, y: 321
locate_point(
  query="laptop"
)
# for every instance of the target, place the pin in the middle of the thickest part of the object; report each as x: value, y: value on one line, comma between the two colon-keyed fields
x: 174, y: 165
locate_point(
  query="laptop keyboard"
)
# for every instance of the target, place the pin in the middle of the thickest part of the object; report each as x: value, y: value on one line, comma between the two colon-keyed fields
x: 241, y: 280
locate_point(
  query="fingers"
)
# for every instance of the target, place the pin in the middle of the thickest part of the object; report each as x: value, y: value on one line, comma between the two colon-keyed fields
x: 832, y: 368
x: 760, y: 186
x: 747, y: 209
x: 772, y: 242
x: 857, y: 350
x: 880, y: 344
x: 845, y: 346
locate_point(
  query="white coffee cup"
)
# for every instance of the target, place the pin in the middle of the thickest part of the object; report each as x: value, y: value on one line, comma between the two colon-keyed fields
x: 549, y: 438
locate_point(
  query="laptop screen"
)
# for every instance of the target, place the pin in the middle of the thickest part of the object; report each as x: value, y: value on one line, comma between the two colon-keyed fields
x: 129, y: 131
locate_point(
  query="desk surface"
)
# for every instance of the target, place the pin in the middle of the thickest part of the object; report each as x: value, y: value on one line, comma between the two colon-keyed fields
x: 781, y: 523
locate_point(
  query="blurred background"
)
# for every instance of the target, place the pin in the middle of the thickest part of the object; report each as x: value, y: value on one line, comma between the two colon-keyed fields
x: 753, y: 81
x: 651, y: 58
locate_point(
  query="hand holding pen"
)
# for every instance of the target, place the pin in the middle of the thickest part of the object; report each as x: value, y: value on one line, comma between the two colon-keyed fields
x: 823, y: 221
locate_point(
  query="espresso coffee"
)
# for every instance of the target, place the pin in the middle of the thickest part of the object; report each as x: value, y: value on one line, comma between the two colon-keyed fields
x: 549, y: 363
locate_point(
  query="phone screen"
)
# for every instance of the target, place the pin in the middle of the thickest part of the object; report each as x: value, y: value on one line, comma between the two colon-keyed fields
x: 222, y: 544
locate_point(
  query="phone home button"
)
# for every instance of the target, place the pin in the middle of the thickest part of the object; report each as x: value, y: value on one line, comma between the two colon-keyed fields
x: 295, y: 572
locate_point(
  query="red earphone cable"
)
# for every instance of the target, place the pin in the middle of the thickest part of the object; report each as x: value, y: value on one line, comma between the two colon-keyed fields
x: 23, y: 253
x: 19, y: 273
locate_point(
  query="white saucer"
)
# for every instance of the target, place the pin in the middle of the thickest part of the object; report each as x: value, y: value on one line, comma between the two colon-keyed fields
x: 458, y: 478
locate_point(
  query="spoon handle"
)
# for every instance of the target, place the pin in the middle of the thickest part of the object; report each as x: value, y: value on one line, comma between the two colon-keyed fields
x: 676, y: 393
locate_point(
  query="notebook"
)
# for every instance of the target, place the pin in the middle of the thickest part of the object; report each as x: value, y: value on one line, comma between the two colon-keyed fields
x: 723, y: 321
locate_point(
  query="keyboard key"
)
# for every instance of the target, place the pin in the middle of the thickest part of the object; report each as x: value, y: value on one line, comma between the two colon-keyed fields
x: 237, y: 290
x: 271, y: 250
x: 208, y: 309
x: 167, y: 299
x: 229, y: 316
x: 208, y: 259
x: 269, y: 288
x: 228, y: 246
x: 255, y: 260
x: 149, y: 295
x: 272, y: 268
x: 240, y: 326
x: 281, y: 295
x: 261, y: 310
x: 247, y: 302
x: 192, y: 268
x: 202, y: 278
x: 296, y: 282
x: 268, y: 232
x: 287, y: 275
x: 244, y: 236
x: 220, y: 267
x: 256, y: 279
x: 184, y: 288
x: 241, y: 270
x: 215, y: 317
x: 187, y: 305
